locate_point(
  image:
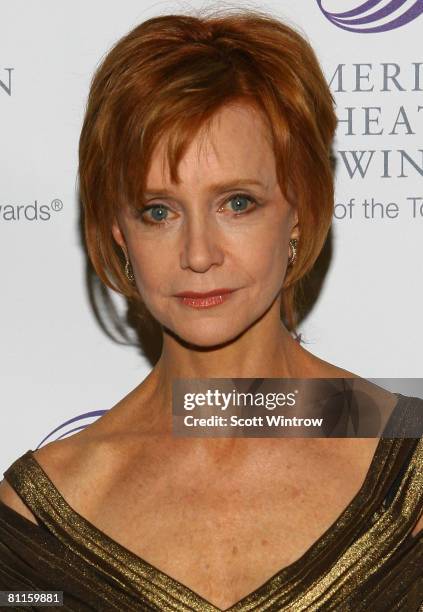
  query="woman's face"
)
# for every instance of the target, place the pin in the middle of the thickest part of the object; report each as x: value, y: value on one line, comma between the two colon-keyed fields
x: 226, y: 225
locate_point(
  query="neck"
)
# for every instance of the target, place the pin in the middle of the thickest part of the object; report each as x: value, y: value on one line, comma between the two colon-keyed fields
x: 266, y: 350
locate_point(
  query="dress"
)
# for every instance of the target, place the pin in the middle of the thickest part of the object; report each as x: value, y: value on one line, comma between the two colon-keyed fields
x: 366, y: 560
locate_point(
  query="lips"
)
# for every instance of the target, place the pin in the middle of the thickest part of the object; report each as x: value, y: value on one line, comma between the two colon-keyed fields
x: 196, y: 294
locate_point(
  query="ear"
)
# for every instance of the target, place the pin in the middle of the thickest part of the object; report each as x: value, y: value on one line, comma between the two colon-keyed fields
x: 295, y: 231
x: 118, y: 234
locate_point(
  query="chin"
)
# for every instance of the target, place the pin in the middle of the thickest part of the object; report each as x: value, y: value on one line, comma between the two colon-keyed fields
x: 206, y: 335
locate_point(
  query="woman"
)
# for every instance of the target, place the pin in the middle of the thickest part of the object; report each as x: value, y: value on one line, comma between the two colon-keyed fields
x: 205, y: 165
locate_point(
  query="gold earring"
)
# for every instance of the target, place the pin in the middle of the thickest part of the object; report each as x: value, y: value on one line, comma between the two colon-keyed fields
x: 128, y: 270
x: 293, y: 248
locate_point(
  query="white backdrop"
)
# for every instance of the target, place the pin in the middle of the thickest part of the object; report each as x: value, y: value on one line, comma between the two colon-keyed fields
x: 56, y: 361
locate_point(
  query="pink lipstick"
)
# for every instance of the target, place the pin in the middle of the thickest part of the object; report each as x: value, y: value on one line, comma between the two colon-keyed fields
x: 207, y: 299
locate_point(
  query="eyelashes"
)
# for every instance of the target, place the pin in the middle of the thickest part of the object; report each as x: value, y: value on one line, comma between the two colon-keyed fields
x: 162, y: 210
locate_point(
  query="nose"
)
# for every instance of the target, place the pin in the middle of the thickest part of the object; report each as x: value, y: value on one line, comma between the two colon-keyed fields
x: 201, y: 244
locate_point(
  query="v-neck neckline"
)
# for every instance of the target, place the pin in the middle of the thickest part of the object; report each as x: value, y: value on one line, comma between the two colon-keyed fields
x: 179, y: 590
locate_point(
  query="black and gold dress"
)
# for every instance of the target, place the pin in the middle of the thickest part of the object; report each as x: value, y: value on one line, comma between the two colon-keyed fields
x: 366, y: 561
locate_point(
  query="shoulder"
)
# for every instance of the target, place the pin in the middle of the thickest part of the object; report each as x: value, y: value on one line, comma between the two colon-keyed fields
x: 313, y: 366
x: 72, y: 464
x: 85, y: 465
x: 51, y: 458
x: 364, y: 388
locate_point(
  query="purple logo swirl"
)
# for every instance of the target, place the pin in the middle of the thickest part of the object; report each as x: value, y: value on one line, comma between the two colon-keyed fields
x: 72, y: 426
x: 375, y: 15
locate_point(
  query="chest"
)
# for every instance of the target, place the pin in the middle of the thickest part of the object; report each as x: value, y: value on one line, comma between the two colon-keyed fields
x: 223, y: 537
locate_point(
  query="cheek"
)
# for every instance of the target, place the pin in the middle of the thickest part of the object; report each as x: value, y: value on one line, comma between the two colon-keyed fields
x: 265, y: 264
x: 149, y: 265
x: 266, y: 254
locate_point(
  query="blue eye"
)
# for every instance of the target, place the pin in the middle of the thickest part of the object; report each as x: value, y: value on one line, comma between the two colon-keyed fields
x: 158, y: 213
x: 241, y: 201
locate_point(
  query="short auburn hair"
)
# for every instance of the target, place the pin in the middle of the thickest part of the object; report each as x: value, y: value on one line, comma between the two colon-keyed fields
x: 168, y: 77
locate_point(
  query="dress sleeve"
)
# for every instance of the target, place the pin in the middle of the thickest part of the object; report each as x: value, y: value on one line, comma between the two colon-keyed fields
x: 31, y: 559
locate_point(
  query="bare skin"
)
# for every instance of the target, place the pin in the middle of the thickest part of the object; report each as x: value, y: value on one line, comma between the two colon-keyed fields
x: 219, y: 515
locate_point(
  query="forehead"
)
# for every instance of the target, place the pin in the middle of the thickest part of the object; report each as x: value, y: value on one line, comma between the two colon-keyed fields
x: 237, y: 141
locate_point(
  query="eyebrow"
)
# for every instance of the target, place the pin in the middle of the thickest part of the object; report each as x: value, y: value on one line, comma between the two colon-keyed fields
x: 213, y: 188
